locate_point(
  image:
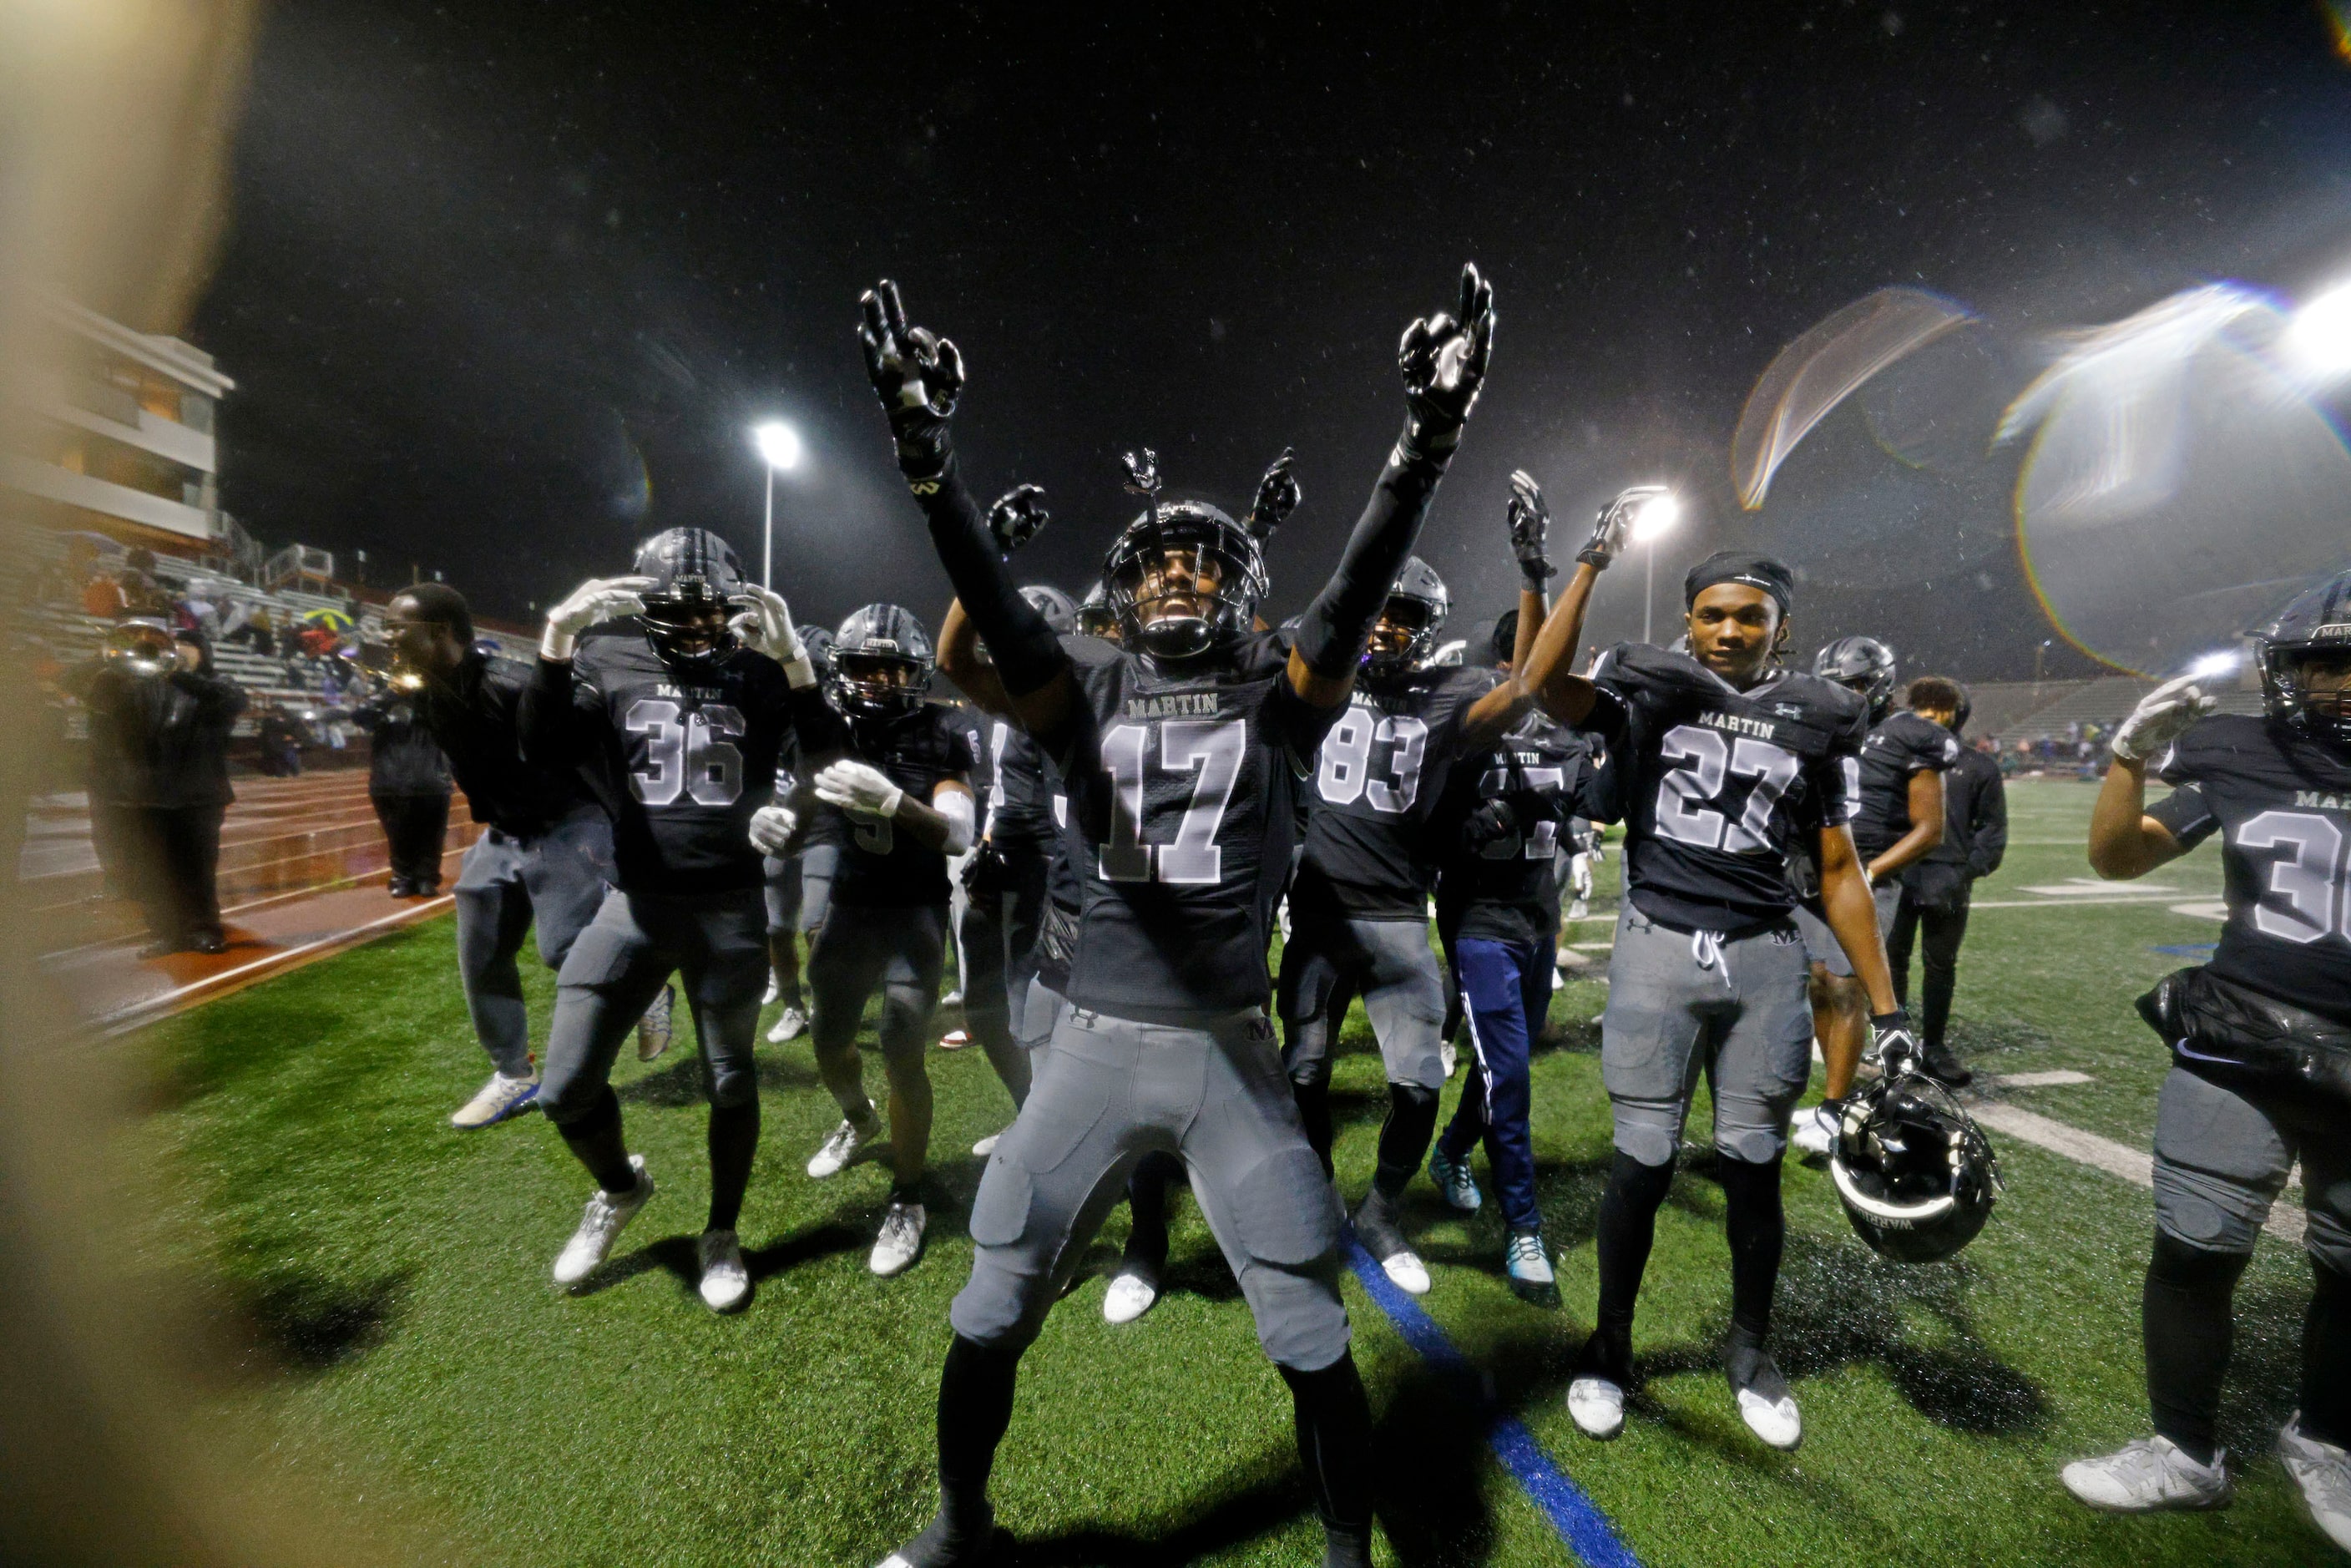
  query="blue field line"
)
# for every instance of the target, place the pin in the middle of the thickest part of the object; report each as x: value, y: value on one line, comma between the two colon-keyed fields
x: 1580, y: 1523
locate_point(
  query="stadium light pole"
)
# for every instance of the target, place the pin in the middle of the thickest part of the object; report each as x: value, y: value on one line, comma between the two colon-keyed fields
x: 1657, y: 515
x: 779, y: 447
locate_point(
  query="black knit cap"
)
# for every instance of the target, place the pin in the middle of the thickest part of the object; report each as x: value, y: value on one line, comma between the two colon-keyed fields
x: 1741, y: 566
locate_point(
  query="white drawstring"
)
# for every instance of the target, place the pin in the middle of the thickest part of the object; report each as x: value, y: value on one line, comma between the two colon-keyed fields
x: 1706, y: 947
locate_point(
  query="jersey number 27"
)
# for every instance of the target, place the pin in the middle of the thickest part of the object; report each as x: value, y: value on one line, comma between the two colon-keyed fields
x: 1703, y: 763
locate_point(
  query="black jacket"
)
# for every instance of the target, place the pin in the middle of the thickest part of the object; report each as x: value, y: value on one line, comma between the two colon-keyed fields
x: 403, y: 756
x: 1975, y: 833
x: 475, y: 720
x: 162, y: 742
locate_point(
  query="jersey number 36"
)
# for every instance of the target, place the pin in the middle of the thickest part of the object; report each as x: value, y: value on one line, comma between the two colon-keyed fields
x: 696, y: 757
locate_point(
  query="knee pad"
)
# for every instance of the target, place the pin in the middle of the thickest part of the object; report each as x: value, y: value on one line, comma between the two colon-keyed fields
x: 578, y: 1107
x: 734, y: 1084
x: 1749, y: 1133
x: 2194, y: 1269
x: 1648, y: 1133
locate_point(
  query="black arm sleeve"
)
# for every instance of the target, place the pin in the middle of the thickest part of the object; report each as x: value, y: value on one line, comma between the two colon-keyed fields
x: 547, y: 719
x: 1027, y: 653
x: 1331, y: 637
x: 819, y: 732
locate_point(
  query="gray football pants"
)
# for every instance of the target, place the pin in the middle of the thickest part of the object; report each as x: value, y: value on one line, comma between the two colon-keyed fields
x: 1680, y: 1004
x: 1330, y: 960
x: 899, y: 949
x: 1821, y: 946
x: 1109, y: 1091
x: 2222, y: 1157
x: 716, y: 943
x: 504, y: 886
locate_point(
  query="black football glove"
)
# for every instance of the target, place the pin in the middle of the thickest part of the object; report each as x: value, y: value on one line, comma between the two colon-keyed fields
x: 1278, y: 495
x: 1142, y: 466
x: 916, y: 373
x: 1492, y: 821
x: 985, y: 872
x: 1444, y: 360
x: 1529, y: 528
x: 1615, y: 525
x: 1893, y: 1043
x: 1017, y: 516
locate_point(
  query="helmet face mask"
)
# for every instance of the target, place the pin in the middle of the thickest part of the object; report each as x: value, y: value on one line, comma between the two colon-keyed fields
x: 1404, y: 636
x: 881, y: 665
x: 2305, y: 662
x: 1916, y: 1174
x: 1861, y: 664
x: 698, y: 586
x: 1183, y: 579
x: 1095, y: 617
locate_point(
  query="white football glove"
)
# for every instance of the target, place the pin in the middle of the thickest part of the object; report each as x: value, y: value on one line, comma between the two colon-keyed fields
x: 767, y: 628
x: 2162, y: 717
x: 593, y: 602
x: 860, y: 790
x: 1579, y: 875
x: 771, y: 828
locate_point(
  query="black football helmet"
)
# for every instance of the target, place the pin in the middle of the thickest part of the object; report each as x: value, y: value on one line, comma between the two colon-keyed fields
x: 2312, y: 634
x: 697, y: 584
x: 1917, y: 1175
x: 1095, y: 617
x: 1863, y: 663
x: 1967, y: 705
x: 1406, y: 634
x: 1060, y: 611
x: 881, y: 664
x: 1214, y: 598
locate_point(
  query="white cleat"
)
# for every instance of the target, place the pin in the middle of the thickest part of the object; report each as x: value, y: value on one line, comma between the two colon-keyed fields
x: 1815, y: 1132
x: 1128, y: 1297
x: 2149, y: 1474
x: 834, y: 1155
x: 2323, y: 1471
x: 953, y: 998
x: 901, y: 1241
x: 954, y: 1039
x: 1410, y: 1274
x: 1454, y: 1184
x: 655, y: 1028
x: 790, y: 1025
x: 775, y: 989
x: 500, y: 1098
x: 1448, y: 1057
x: 986, y: 1145
x: 725, y: 1282
x: 607, y: 1214
x: 1597, y: 1407
x: 1775, y: 1421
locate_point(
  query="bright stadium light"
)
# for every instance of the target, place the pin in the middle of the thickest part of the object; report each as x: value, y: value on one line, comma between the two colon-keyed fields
x: 2319, y: 336
x: 2210, y: 666
x: 1657, y: 515
x: 779, y: 444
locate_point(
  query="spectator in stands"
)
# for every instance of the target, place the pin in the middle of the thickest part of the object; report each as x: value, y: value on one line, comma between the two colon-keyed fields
x: 1937, y: 887
x: 256, y: 631
x: 281, y: 743
x: 103, y: 596
x: 159, y: 755
x: 408, y: 781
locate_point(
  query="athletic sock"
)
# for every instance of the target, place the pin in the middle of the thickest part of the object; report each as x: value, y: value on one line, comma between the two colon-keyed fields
x: 1334, y: 1448
x: 734, y: 1140
x: 2326, y: 1357
x: 1313, y: 1097
x: 1749, y: 1364
x: 1628, y: 1227
x: 2188, y: 1325
x: 1404, y: 1138
x: 1146, y: 1204
x: 1758, y: 1232
x: 596, y: 1141
x: 975, y: 1407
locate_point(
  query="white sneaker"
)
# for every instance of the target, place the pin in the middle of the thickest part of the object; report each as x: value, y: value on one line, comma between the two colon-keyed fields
x: 2324, y: 1473
x: 953, y: 998
x: 1776, y: 1421
x: 790, y: 1025
x: 954, y: 1039
x: 986, y: 1145
x: 834, y: 1155
x: 1558, y: 980
x: 1815, y: 1132
x: 605, y: 1218
x: 1128, y: 1297
x: 1579, y: 909
x: 1453, y: 1182
x: 775, y: 989
x: 1597, y: 1407
x: 653, y: 1030
x: 1527, y: 1263
x: 901, y: 1241
x: 725, y: 1282
x: 2149, y: 1474
x: 1448, y: 1057
x: 500, y: 1099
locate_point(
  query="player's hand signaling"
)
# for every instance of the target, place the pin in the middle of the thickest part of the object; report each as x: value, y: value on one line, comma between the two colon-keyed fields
x: 1614, y: 526
x: 593, y: 602
x: 1529, y: 529
x: 859, y: 789
x: 772, y: 828
x: 1018, y: 517
x: 765, y: 626
x: 2162, y: 717
x: 1277, y: 495
x: 1443, y: 358
x: 916, y: 373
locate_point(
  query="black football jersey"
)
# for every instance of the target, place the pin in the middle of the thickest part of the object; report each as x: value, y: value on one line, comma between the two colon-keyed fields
x: 679, y: 757
x: 2282, y: 804
x: 1504, y: 889
x: 1717, y: 785
x: 1904, y: 745
x: 879, y: 864
x: 1023, y: 813
x: 1377, y: 778
x: 984, y: 735
x: 1182, y: 780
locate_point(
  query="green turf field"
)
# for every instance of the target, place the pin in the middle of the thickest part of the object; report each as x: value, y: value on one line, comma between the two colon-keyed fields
x: 415, y: 1354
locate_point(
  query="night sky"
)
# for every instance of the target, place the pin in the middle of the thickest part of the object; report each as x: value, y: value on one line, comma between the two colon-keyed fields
x: 508, y: 282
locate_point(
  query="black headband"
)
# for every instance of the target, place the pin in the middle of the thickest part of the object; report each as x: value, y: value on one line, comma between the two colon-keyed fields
x: 1742, y: 567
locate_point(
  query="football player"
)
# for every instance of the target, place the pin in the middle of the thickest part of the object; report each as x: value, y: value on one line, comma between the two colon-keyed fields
x: 1359, y: 900
x: 1723, y: 761
x: 678, y: 711
x: 1897, y: 818
x: 1935, y: 887
x: 895, y: 811
x: 545, y: 856
x: 1180, y: 747
x: 2261, y: 1043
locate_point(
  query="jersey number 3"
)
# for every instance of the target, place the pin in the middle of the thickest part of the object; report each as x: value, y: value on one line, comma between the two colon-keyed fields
x: 696, y: 758
x: 2307, y: 882
x: 1212, y: 754
x: 1703, y: 762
